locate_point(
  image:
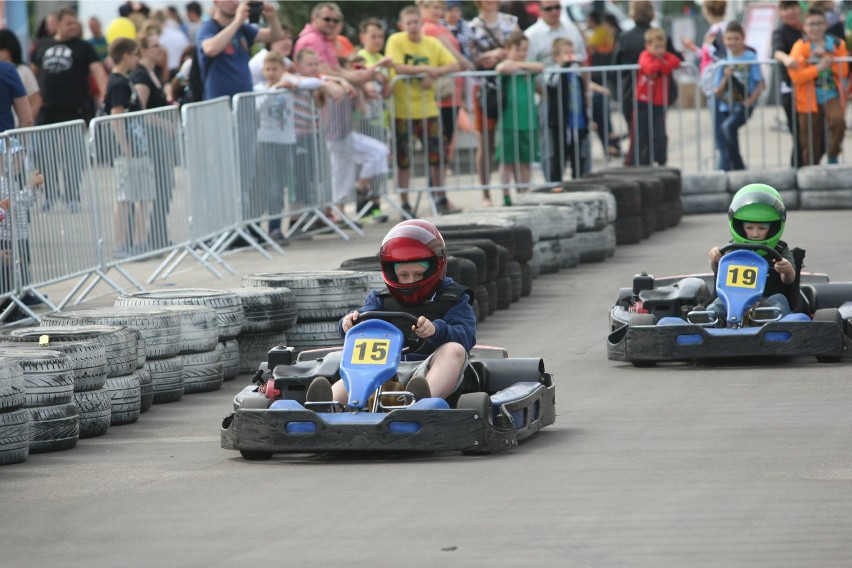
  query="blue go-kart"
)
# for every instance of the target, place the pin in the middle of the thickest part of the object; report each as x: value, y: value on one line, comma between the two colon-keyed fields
x: 666, y: 319
x: 500, y: 402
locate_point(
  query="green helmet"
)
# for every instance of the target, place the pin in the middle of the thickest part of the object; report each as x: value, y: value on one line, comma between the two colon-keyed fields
x: 757, y: 203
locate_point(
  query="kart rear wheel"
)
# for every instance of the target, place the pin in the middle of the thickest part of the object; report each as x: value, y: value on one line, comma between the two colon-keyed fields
x: 252, y: 455
x: 643, y: 319
x: 829, y: 315
x: 481, y: 403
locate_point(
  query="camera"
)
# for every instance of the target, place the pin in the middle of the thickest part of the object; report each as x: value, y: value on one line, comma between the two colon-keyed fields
x: 255, y: 10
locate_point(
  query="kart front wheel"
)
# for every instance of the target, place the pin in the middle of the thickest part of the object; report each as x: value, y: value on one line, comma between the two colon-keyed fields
x: 830, y: 315
x: 481, y: 403
x: 252, y: 455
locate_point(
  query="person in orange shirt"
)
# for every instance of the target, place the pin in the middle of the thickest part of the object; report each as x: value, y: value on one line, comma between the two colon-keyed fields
x: 818, y: 90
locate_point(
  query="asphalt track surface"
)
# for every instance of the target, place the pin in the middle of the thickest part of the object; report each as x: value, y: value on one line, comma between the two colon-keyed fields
x: 679, y: 465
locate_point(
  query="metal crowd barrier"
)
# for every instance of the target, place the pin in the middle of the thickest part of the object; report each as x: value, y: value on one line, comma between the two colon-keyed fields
x: 49, y: 233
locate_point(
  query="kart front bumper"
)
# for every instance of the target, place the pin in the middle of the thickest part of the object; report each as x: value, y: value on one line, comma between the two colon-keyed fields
x: 297, y: 429
x: 683, y: 342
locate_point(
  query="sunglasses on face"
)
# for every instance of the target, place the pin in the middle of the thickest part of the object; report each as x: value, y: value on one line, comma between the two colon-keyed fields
x: 550, y: 8
x: 331, y: 20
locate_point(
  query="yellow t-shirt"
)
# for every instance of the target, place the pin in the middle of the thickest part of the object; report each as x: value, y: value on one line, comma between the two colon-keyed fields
x: 410, y: 99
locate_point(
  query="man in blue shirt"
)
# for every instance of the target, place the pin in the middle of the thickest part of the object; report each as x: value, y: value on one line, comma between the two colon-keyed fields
x: 224, y: 43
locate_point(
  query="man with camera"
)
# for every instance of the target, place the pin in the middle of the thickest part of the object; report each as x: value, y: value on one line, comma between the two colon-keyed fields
x: 224, y: 43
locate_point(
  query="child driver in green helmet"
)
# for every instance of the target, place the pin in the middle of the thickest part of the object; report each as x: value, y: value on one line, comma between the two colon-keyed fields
x: 757, y: 216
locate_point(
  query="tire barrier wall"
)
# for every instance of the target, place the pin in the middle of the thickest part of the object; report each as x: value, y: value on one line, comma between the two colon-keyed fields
x: 809, y: 187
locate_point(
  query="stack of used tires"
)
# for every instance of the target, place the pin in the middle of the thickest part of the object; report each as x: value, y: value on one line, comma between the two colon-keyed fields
x: 48, y: 399
x: 461, y: 270
x: 668, y: 210
x: 14, y: 420
x: 782, y: 179
x: 269, y: 313
x: 322, y: 299
x: 90, y: 362
x: 595, y: 210
x: 627, y: 194
x: 824, y: 187
x: 705, y: 192
x: 209, y: 318
x: 161, y: 331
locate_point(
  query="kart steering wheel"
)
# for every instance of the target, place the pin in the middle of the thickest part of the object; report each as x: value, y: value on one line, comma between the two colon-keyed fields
x: 771, y: 252
x: 403, y: 322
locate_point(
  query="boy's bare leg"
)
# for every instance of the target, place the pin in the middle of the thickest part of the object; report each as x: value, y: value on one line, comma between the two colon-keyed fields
x: 444, y: 369
x: 403, y: 178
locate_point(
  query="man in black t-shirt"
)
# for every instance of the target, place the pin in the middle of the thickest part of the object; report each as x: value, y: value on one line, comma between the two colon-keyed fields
x: 783, y: 38
x: 63, y: 65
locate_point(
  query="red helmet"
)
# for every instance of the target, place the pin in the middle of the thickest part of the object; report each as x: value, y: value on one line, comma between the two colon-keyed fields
x: 413, y: 241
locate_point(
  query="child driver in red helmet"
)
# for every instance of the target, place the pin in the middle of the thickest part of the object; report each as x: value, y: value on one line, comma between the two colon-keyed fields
x: 414, y: 267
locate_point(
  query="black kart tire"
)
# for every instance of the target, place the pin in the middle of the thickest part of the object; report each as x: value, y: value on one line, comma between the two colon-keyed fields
x: 493, y: 296
x: 199, y: 328
x: 480, y: 403
x: 629, y: 230
x: 480, y: 293
x: 504, y: 292
x: 476, y: 256
x: 467, y: 271
x: 267, y: 309
x: 832, y: 315
x: 492, y: 260
x: 504, y: 236
x: 146, y: 389
x: 526, y: 279
x: 312, y: 335
x: 514, y: 274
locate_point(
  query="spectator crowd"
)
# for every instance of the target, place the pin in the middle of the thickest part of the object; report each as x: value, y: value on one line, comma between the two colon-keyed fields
x: 532, y: 110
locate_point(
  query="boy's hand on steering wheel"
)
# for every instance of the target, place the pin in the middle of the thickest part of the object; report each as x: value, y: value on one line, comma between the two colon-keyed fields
x: 784, y: 268
x: 349, y: 321
x: 423, y: 328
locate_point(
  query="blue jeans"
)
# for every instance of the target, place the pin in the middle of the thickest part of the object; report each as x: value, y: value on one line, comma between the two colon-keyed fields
x: 728, y: 123
x: 774, y: 301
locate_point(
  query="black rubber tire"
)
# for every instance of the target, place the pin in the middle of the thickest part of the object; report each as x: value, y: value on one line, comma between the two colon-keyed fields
x: 229, y: 354
x: 627, y: 194
x: 267, y: 309
x: 526, y: 279
x: 492, y: 259
x: 476, y: 311
x: 493, y: 296
x: 476, y: 256
x: 14, y: 436
x: 830, y: 315
x: 146, y: 389
x: 48, y: 375
x: 160, y: 328
x: 252, y: 455
x: 126, y: 399
x: 12, y: 386
x: 514, y: 274
x: 467, y: 271
x: 362, y: 264
x: 480, y: 293
x: 649, y: 221
x: 663, y: 215
x: 313, y: 335
x: 504, y: 292
x: 93, y: 412
x: 479, y: 402
x: 121, y: 343
x: 87, y: 358
x: 321, y: 296
x: 629, y: 230
x: 53, y: 428
x: 141, y: 351
x: 504, y: 236
x: 254, y: 348
x: 228, y: 306
x: 548, y: 256
x: 199, y: 327
x: 202, y: 372
x: 652, y: 189
x: 523, y: 243
x: 166, y: 379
